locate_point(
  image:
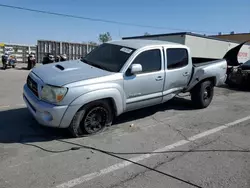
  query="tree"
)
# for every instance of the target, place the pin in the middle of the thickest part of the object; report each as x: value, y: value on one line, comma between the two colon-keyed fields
x: 105, y: 37
x: 146, y: 34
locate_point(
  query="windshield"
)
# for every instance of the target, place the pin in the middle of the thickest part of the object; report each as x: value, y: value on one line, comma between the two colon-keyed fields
x: 109, y: 57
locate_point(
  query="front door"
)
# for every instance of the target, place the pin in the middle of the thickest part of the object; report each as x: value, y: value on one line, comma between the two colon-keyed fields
x: 145, y: 88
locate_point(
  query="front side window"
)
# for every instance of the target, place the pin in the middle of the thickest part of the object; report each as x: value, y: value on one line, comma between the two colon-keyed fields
x: 109, y: 57
x: 150, y: 60
x: 177, y: 58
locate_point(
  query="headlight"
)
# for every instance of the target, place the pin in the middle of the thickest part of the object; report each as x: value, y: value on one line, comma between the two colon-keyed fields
x: 53, y: 94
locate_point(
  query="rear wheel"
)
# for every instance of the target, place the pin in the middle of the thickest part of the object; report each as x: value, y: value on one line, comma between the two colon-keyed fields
x: 91, y: 119
x: 202, y: 94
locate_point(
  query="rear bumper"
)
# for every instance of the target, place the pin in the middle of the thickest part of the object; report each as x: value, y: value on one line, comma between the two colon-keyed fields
x: 221, y: 80
x: 46, y: 114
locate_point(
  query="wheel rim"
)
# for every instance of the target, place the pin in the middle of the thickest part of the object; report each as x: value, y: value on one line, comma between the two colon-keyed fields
x: 95, y: 119
x: 207, y: 93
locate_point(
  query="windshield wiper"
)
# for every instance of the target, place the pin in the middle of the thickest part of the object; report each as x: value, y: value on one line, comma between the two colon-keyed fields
x: 94, y: 64
x: 100, y: 66
x: 86, y: 61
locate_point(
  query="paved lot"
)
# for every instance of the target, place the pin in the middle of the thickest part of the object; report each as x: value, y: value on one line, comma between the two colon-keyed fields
x: 196, y: 148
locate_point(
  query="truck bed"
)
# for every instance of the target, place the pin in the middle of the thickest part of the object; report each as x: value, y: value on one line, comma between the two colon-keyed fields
x: 212, y: 69
x: 205, y: 63
x: 197, y: 62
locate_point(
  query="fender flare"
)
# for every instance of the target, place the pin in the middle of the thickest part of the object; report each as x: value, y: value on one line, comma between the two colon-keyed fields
x: 91, y: 96
x: 202, y: 79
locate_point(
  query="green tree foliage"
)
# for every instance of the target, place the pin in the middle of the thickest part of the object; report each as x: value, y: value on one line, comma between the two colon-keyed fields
x: 105, y: 37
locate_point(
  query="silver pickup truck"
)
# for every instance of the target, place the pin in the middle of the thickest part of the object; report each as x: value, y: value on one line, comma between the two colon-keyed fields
x: 116, y: 77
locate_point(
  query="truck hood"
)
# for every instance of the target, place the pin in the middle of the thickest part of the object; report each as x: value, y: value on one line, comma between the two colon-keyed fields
x: 66, y: 72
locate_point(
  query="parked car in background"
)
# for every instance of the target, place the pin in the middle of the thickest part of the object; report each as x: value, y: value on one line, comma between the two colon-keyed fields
x: 239, y: 76
x: 8, y: 60
x: 238, y: 73
x: 116, y: 77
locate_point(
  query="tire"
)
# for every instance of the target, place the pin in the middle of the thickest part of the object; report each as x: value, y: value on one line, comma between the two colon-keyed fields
x: 13, y: 66
x: 100, y: 109
x: 202, y: 94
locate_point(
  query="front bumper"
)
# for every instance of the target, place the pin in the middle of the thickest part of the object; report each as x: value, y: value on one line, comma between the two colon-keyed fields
x: 46, y: 114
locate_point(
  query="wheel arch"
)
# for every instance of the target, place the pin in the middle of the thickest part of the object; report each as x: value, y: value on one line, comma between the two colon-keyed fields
x: 109, y: 100
x: 194, y: 86
x: 212, y: 79
x: 112, y: 95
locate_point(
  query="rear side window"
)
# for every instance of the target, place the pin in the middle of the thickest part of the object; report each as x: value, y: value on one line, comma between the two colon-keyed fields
x: 150, y: 60
x: 177, y: 58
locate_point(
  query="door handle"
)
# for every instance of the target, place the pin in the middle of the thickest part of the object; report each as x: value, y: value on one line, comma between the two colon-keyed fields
x: 186, y: 74
x: 159, y: 78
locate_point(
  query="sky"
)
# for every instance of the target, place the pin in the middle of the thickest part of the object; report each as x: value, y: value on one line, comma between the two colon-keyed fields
x: 198, y: 16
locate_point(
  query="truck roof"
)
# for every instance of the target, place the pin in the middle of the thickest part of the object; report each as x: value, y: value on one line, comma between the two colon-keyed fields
x: 140, y: 43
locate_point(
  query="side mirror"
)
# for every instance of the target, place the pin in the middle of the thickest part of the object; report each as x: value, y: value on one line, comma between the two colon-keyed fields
x: 136, y: 68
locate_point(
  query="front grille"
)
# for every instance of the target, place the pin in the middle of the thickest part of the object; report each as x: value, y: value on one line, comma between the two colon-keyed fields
x: 32, y: 85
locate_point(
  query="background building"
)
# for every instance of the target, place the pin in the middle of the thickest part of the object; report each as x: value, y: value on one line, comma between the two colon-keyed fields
x: 239, y: 37
x: 202, y: 47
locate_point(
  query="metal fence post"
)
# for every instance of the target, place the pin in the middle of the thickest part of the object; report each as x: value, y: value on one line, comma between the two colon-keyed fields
x: 61, y: 48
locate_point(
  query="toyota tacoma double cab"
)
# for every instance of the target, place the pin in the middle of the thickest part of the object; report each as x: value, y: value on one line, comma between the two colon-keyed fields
x: 116, y: 77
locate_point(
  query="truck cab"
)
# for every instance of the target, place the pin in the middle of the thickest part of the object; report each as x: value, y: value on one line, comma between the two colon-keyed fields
x: 154, y: 74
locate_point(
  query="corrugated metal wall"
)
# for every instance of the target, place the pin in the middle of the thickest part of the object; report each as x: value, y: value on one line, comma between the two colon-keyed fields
x: 20, y: 51
x: 72, y: 50
x: 202, y: 46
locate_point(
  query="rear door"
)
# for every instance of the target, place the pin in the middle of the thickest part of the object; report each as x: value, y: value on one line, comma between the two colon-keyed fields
x: 178, y: 71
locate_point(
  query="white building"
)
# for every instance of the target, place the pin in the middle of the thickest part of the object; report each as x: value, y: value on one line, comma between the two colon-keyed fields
x: 202, y: 47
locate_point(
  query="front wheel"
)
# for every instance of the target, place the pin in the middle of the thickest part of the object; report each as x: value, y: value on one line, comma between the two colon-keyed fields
x: 202, y: 94
x: 91, y: 119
